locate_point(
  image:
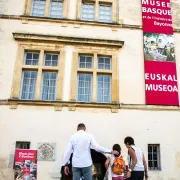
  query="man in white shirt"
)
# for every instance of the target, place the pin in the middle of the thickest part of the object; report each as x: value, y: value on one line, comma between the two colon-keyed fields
x: 80, y: 145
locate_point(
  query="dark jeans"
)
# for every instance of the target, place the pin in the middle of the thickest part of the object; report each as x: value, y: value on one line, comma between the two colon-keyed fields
x: 86, y: 172
x: 137, y: 175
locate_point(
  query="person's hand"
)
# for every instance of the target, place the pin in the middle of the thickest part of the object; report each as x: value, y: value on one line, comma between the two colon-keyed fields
x: 115, y: 152
x: 66, y: 170
x: 146, y: 175
x: 107, y: 165
x: 128, y: 174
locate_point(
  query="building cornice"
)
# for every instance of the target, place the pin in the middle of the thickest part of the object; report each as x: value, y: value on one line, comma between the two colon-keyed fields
x: 58, y: 105
x: 67, y: 40
x: 76, y: 23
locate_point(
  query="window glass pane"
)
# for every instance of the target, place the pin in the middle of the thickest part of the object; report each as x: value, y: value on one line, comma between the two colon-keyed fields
x: 85, y: 61
x: 150, y: 164
x: 105, y: 13
x: 104, y: 63
x: 84, y: 88
x: 38, y: 7
x: 28, y: 85
x: 56, y: 10
x: 31, y: 58
x: 87, y: 12
x: 104, y: 89
x: 51, y: 59
x: 49, y: 86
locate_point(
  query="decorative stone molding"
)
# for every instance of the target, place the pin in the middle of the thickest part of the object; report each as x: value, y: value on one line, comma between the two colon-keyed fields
x: 72, y: 105
x: 13, y: 105
x: 67, y: 40
x: 58, y: 107
x: 119, y: 25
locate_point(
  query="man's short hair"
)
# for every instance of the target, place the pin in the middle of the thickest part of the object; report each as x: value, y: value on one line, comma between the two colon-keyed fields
x: 129, y: 140
x: 81, y: 126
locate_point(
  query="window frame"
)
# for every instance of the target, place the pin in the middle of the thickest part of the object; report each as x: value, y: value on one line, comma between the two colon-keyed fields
x: 82, y: 11
x: 85, y: 55
x: 114, y: 95
x: 62, y: 10
x: 105, y: 62
x: 158, y: 158
x: 33, y: 52
x: 40, y: 68
x: 42, y: 85
x: 78, y: 86
x: 22, y: 80
x: 114, y: 4
x: 32, y: 4
x: 109, y: 5
x: 29, y: 6
x: 50, y: 53
x: 110, y: 97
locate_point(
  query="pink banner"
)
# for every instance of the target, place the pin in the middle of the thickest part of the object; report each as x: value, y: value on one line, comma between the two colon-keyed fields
x: 159, y: 53
x: 25, y: 164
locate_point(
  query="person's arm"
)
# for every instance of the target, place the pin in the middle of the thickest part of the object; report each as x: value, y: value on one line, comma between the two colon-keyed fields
x: 98, y: 148
x: 107, y: 162
x: 145, y: 167
x: 133, y: 157
x: 68, y: 153
x: 134, y: 161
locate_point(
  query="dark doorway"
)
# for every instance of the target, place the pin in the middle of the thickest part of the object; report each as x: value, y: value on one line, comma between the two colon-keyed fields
x: 98, y: 161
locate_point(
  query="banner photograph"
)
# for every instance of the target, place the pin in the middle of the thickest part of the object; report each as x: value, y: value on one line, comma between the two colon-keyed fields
x: 159, y: 54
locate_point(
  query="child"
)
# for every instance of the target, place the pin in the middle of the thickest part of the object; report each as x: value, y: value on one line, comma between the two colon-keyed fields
x: 117, y: 164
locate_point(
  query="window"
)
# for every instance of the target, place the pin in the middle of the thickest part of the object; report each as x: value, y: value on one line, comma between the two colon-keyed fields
x: 39, y: 72
x: 22, y: 145
x: 95, y: 74
x: 105, y: 13
x: 51, y: 59
x: 87, y: 12
x: 85, y: 61
x: 84, y: 87
x: 31, y: 58
x: 28, y: 85
x: 104, y: 63
x: 38, y: 7
x: 56, y: 10
x: 98, y: 10
x: 104, y: 89
x: 49, y: 86
x: 154, y: 156
x: 47, y: 8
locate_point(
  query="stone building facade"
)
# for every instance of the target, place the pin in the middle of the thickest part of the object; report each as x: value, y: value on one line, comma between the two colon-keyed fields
x: 71, y: 61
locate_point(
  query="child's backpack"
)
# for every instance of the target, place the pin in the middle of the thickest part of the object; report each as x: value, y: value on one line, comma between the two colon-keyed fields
x: 118, y: 166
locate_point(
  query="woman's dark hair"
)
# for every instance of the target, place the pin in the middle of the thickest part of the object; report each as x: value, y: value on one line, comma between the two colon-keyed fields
x: 129, y: 140
x: 117, y: 147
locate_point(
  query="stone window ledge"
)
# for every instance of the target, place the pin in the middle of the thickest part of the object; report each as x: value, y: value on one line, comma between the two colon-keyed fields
x: 58, y: 105
x: 65, y: 22
x: 13, y: 104
x: 76, y: 23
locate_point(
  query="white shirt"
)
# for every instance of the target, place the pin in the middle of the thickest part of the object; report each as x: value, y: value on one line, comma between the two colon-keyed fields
x: 112, y: 157
x: 139, y: 155
x: 80, y: 145
x: 161, y: 44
